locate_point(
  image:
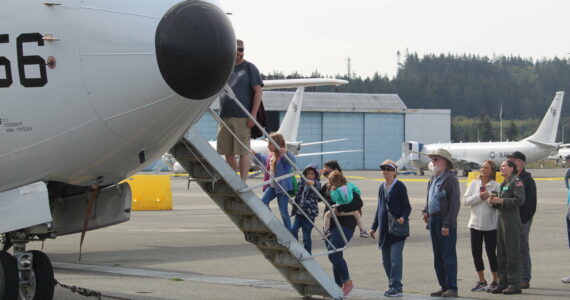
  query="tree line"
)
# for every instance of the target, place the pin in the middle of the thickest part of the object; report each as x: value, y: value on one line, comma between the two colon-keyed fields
x: 473, y: 87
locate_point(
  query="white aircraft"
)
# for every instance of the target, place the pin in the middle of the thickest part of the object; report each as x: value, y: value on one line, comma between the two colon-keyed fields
x: 289, y: 127
x: 468, y: 156
x: 91, y: 91
x: 560, y: 154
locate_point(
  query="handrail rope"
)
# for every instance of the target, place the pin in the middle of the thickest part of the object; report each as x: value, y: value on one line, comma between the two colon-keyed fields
x: 219, y: 120
x: 294, y: 165
x: 229, y: 92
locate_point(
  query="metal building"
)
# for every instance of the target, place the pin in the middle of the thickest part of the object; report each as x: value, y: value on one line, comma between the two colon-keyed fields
x: 373, y: 123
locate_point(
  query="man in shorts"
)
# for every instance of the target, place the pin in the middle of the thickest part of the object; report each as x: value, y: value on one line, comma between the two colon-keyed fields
x: 246, y: 84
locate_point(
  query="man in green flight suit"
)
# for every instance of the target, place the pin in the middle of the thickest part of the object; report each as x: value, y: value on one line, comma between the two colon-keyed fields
x: 510, y: 198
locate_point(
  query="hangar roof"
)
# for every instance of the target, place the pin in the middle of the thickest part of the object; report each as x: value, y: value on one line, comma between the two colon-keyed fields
x: 334, y: 102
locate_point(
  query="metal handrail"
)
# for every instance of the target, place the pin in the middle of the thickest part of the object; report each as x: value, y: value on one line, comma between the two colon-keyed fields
x: 229, y: 92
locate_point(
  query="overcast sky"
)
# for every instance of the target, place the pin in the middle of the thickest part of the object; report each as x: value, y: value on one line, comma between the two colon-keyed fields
x: 319, y: 35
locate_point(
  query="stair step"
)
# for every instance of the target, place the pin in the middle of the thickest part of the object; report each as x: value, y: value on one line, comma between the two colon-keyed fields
x: 285, y: 260
x: 315, y: 289
x: 268, y: 244
x: 251, y: 224
x: 301, y: 276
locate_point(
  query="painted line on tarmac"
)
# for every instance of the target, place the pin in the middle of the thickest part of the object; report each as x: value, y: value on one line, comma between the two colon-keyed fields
x: 195, y: 277
x: 408, y: 179
x: 427, y: 179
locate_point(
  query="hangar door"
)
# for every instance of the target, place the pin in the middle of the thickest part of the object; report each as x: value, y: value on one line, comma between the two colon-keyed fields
x: 383, y: 138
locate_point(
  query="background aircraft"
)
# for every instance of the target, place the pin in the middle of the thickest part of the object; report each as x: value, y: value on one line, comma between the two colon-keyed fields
x: 468, y: 156
x: 560, y: 155
x: 90, y: 92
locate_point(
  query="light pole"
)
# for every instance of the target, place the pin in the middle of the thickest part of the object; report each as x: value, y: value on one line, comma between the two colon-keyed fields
x: 478, y: 140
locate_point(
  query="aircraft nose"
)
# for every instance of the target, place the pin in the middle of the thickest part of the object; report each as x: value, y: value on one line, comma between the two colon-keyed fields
x: 195, y: 49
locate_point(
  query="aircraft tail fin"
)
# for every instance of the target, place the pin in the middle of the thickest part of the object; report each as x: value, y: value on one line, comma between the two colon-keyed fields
x: 290, y: 124
x: 546, y: 132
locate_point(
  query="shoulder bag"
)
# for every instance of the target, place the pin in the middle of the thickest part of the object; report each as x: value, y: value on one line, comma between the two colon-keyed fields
x: 395, y: 228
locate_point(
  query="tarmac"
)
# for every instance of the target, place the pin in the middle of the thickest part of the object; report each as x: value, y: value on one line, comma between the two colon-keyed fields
x: 195, y: 252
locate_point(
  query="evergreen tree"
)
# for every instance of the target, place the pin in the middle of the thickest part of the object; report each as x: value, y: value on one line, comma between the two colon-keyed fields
x: 512, y: 132
x: 485, y: 128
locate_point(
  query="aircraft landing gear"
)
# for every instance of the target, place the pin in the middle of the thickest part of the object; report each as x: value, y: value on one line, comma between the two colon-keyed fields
x: 8, y: 276
x: 36, y: 279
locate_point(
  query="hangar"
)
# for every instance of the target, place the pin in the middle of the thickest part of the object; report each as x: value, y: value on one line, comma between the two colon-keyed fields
x: 377, y: 124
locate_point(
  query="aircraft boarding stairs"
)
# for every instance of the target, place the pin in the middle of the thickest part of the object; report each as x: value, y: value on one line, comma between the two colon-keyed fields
x: 252, y: 217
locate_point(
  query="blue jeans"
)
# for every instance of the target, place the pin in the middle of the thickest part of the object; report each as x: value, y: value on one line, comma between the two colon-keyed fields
x: 444, y: 254
x: 393, y: 263
x: 568, y: 229
x: 282, y: 201
x: 340, y: 268
x: 307, y: 227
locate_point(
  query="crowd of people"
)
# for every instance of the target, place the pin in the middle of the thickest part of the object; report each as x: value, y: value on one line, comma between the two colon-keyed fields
x: 501, y: 214
x: 500, y: 219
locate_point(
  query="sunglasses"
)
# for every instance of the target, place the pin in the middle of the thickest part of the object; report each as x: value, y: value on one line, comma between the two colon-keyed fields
x: 386, y: 169
x: 240, y: 49
x: 435, y: 159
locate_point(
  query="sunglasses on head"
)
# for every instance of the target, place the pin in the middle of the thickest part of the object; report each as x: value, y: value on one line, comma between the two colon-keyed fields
x: 386, y: 169
x: 240, y: 49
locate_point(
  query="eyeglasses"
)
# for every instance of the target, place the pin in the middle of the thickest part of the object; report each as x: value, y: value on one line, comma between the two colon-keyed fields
x: 435, y: 159
x: 240, y: 49
x: 386, y: 169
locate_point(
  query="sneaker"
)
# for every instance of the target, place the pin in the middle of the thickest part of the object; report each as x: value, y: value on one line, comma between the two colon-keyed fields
x: 437, y: 293
x: 364, y: 234
x: 394, y: 293
x: 491, y: 286
x: 479, y: 286
x: 566, y: 279
x: 347, y: 289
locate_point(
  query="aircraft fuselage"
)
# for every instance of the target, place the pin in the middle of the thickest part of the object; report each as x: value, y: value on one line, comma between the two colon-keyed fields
x: 82, y: 95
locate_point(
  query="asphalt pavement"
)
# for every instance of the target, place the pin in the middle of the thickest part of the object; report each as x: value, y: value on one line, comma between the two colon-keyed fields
x: 195, y: 252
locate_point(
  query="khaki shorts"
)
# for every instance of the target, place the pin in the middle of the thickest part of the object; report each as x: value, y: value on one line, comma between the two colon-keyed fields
x: 227, y: 144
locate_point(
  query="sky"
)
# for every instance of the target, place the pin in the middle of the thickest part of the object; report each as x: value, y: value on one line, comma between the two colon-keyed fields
x: 320, y: 35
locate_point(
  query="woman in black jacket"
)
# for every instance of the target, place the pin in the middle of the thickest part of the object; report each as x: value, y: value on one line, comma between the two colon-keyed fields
x: 393, y: 206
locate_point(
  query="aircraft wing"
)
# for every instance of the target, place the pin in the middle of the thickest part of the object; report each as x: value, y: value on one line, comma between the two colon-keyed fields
x: 465, y: 163
x: 326, y: 153
x: 323, y: 142
x: 543, y: 144
x: 461, y: 163
x: 303, y: 82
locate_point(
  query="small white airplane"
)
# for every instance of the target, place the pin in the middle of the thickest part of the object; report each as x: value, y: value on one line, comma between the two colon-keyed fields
x: 468, y: 156
x: 560, y: 154
x: 289, y: 127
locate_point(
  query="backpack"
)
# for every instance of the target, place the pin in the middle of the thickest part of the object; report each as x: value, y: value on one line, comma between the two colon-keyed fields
x: 295, y: 186
x: 261, y: 116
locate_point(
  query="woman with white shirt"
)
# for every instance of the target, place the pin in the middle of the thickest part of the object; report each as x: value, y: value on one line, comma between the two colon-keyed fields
x: 483, y: 222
